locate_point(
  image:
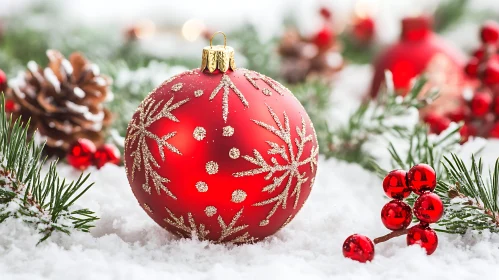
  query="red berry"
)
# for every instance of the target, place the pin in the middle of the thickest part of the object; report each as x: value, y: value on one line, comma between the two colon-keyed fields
x: 466, y: 131
x: 324, y: 38
x: 358, y: 248
x: 81, y: 153
x: 479, y: 53
x: 494, y: 131
x: 3, y: 81
x: 428, y: 208
x: 491, y: 73
x: 421, y: 177
x: 363, y: 29
x: 437, y: 122
x: 10, y: 106
x: 489, y: 33
x: 325, y: 13
x: 424, y: 236
x: 459, y: 114
x: 480, y: 104
x: 471, y: 68
x: 395, y: 184
x: 396, y: 215
x: 106, y: 154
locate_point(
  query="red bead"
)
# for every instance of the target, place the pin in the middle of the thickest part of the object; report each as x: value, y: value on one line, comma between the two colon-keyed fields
x: 396, y: 215
x: 428, y: 208
x: 480, y: 104
x: 81, y: 153
x: 395, y: 184
x: 108, y: 153
x: 424, y: 236
x: 437, y: 123
x: 421, y: 177
x: 491, y: 73
x: 324, y: 38
x: 358, y: 248
x: 471, y: 68
x: 494, y: 131
x: 489, y: 32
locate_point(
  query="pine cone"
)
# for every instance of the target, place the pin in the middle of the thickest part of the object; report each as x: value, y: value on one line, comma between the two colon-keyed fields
x: 64, y: 101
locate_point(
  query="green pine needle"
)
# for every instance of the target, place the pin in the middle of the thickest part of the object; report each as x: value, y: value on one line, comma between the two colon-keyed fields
x: 46, y: 202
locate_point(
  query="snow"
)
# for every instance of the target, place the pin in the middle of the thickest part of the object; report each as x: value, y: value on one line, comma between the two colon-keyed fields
x: 346, y: 199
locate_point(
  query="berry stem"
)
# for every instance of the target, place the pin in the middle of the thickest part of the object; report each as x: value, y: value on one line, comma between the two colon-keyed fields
x: 389, y: 236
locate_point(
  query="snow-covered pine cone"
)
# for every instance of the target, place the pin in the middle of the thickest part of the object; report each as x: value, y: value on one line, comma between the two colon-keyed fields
x: 64, y: 101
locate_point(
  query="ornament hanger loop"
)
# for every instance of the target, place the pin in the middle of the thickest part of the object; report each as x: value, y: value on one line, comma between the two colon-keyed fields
x: 214, y: 34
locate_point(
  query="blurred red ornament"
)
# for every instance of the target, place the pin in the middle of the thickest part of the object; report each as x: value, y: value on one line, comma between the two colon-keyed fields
x: 421, y: 177
x: 494, y: 131
x: 11, y: 106
x: 396, y: 215
x: 471, y: 68
x: 489, y: 33
x: 423, y: 236
x: 491, y: 73
x: 428, y: 208
x: 466, y: 131
x: 420, y: 50
x: 226, y: 153
x: 108, y: 153
x: 395, y: 185
x: 364, y: 29
x: 80, y: 154
x: 358, y: 248
x: 481, y: 103
x: 3, y: 81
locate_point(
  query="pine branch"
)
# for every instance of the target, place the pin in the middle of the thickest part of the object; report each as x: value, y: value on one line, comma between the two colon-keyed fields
x: 46, y: 202
x: 375, y: 118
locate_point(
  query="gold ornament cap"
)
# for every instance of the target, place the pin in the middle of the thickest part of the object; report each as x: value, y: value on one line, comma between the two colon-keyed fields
x: 218, y: 57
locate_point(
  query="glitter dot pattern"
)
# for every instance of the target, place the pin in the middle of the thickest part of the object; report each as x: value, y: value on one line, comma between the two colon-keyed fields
x: 238, y: 196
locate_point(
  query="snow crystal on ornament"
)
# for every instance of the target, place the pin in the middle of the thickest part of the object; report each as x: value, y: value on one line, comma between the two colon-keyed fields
x: 198, y: 93
x: 234, y: 153
x: 177, y: 87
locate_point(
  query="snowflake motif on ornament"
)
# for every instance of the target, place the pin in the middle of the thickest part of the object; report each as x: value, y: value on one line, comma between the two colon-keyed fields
x: 223, y: 156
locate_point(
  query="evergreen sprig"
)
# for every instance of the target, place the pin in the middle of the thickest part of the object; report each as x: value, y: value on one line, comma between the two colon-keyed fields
x: 470, y: 197
x: 375, y: 118
x: 46, y: 202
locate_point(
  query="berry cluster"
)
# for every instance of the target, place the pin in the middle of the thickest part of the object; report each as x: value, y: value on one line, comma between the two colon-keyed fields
x: 480, y: 111
x: 396, y: 215
x: 83, y: 153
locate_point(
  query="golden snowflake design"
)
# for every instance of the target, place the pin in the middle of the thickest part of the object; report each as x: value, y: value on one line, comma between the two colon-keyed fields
x: 252, y: 77
x: 226, y: 84
x: 189, y: 228
x: 150, y: 112
x: 289, y: 171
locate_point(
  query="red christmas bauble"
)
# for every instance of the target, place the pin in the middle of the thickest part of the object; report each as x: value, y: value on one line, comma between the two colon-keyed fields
x: 395, y: 184
x: 418, y: 51
x: 428, y: 208
x: 424, y: 237
x: 80, y: 154
x: 229, y: 156
x: 396, y: 215
x: 106, y: 154
x: 421, y: 178
x: 359, y: 248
